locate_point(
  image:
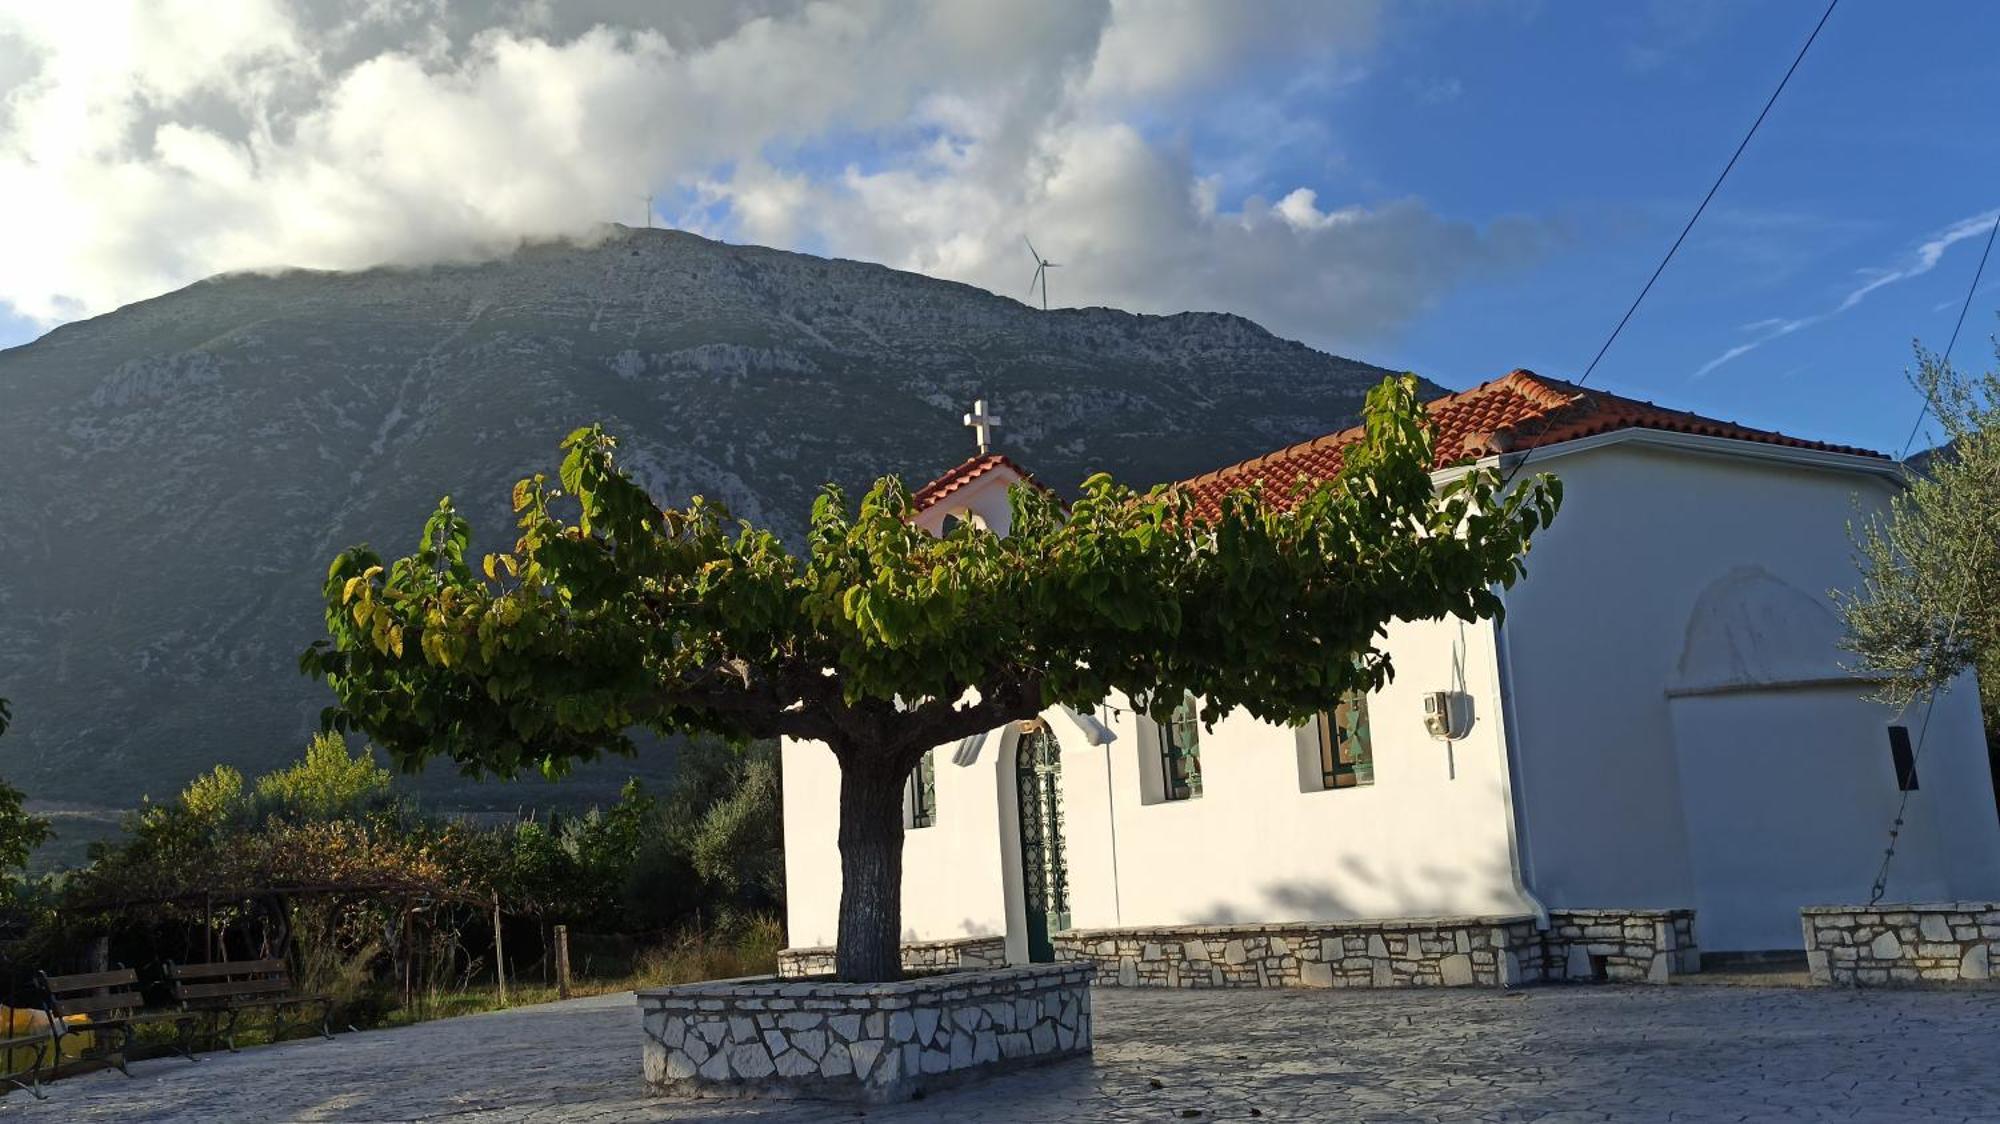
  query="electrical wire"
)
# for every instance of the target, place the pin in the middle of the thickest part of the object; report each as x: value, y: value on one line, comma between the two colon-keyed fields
x: 1946, y: 355
x: 1692, y: 219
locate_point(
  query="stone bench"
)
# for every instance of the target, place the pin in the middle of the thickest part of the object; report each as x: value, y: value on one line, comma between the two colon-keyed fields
x: 1904, y: 944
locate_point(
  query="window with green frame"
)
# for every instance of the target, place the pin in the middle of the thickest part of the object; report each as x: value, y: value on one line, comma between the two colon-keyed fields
x: 1346, y: 754
x: 1180, y: 752
x: 921, y: 796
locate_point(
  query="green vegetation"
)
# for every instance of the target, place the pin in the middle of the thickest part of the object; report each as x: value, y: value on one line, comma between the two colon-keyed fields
x: 882, y: 641
x: 20, y: 834
x: 391, y: 909
x: 1929, y: 607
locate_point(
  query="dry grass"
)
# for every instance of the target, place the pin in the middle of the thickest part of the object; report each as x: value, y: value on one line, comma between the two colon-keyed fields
x: 751, y: 950
x: 748, y: 949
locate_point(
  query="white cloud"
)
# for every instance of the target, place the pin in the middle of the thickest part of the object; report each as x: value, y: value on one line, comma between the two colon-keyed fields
x: 172, y: 140
x: 1919, y: 262
x: 1925, y: 259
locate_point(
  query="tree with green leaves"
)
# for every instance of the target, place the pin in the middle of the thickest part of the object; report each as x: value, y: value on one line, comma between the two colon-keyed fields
x: 1928, y: 607
x: 327, y: 783
x: 882, y: 641
x: 20, y: 832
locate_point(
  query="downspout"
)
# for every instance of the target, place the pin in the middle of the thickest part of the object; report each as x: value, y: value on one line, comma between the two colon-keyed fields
x: 1099, y: 734
x: 1520, y: 855
x: 1111, y: 822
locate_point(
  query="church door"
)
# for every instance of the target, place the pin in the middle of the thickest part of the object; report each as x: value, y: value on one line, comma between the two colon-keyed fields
x: 1044, y: 874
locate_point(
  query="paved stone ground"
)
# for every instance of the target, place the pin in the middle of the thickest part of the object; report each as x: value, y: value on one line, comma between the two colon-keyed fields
x: 1549, y: 1054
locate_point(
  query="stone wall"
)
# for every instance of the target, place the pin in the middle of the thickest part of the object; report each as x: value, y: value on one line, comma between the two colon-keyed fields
x: 962, y: 954
x: 1635, y: 945
x: 1447, y: 952
x: 766, y: 1037
x: 1624, y: 945
x: 1891, y: 945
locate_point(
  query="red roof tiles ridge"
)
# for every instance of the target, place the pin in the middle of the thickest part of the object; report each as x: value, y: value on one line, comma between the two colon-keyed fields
x: 1518, y: 411
x: 957, y: 478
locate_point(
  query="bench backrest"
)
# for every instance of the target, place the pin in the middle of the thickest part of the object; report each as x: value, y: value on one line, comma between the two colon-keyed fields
x: 228, y: 980
x: 99, y: 995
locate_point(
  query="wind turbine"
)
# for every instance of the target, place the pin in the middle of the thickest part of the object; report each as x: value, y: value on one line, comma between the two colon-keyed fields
x: 1042, y: 267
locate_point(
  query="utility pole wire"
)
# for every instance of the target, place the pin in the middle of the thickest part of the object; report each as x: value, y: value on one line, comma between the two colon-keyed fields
x: 1692, y: 219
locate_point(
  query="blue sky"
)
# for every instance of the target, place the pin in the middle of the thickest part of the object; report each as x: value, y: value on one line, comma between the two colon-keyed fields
x: 1456, y: 189
x: 1617, y: 122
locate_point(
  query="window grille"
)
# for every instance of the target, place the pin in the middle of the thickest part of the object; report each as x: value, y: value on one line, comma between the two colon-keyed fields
x: 1180, y: 752
x: 1346, y: 753
x: 922, y: 795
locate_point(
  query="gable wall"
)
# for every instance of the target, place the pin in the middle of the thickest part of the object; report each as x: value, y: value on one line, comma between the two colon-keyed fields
x: 1738, y: 800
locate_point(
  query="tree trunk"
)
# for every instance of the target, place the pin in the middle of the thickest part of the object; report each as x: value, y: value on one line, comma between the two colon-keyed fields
x: 871, y: 873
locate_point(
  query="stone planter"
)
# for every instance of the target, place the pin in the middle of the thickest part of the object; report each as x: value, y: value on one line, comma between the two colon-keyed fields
x: 767, y: 1037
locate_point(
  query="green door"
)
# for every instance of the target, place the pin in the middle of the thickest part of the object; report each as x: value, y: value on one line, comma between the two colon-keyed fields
x: 1044, y: 877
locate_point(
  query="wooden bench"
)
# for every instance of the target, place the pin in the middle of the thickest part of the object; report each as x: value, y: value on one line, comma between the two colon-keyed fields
x: 224, y: 991
x: 29, y: 1078
x: 107, y: 1005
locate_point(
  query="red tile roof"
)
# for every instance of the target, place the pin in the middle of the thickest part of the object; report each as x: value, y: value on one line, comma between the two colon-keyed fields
x: 1521, y: 411
x: 955, y: 479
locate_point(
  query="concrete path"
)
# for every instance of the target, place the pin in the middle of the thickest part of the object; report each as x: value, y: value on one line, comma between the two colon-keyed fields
x: 1695, y: 1053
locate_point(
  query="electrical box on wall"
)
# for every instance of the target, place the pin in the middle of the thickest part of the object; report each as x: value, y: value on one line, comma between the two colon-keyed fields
x: 1448, y: 714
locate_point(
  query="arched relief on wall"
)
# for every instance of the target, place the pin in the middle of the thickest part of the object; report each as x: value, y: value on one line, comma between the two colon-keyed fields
x: 1750, y: 630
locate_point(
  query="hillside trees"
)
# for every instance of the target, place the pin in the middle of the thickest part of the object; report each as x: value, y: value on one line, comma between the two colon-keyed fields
x: 20, y: 832
x: 881, y: 641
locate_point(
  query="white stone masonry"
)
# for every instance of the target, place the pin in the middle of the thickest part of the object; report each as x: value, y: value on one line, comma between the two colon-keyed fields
x: 766, y: 1037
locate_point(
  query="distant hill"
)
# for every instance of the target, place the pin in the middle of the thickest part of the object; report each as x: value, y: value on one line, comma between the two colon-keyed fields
x: 176, y: 475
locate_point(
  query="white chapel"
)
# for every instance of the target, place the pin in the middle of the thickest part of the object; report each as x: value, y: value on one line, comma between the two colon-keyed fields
x: 1659, y: 754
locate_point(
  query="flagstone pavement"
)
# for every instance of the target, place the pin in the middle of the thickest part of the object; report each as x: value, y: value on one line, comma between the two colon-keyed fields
x: 1684, y: 1052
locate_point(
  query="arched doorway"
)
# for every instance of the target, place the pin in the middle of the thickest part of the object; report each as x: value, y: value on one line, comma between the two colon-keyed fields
x: 1044, y: 871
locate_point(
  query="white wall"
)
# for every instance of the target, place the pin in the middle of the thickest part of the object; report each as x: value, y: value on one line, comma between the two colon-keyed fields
x: 1756, y: 859
x: 1747, y: 791
x: 953, y: 871
x: 1429, y: 837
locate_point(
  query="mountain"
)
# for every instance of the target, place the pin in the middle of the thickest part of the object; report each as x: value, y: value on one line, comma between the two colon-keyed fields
x: 176, y: 475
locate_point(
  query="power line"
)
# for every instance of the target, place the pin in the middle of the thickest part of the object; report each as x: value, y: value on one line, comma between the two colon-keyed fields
x: 1946, y: 356
x: 1694, y: 218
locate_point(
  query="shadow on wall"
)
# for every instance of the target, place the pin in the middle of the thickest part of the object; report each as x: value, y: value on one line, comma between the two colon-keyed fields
x: 1412, y: 895
x: 967, y: 927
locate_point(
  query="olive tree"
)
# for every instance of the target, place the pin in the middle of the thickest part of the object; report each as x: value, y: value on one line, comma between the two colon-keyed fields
x: 1929, y: 604
x: 882, y: 641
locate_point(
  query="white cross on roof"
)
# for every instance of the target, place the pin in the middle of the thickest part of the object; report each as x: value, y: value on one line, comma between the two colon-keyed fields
x: 982, y: 424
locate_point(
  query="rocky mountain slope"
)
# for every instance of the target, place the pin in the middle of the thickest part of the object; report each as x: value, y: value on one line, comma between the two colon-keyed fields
x: 175, y: 475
